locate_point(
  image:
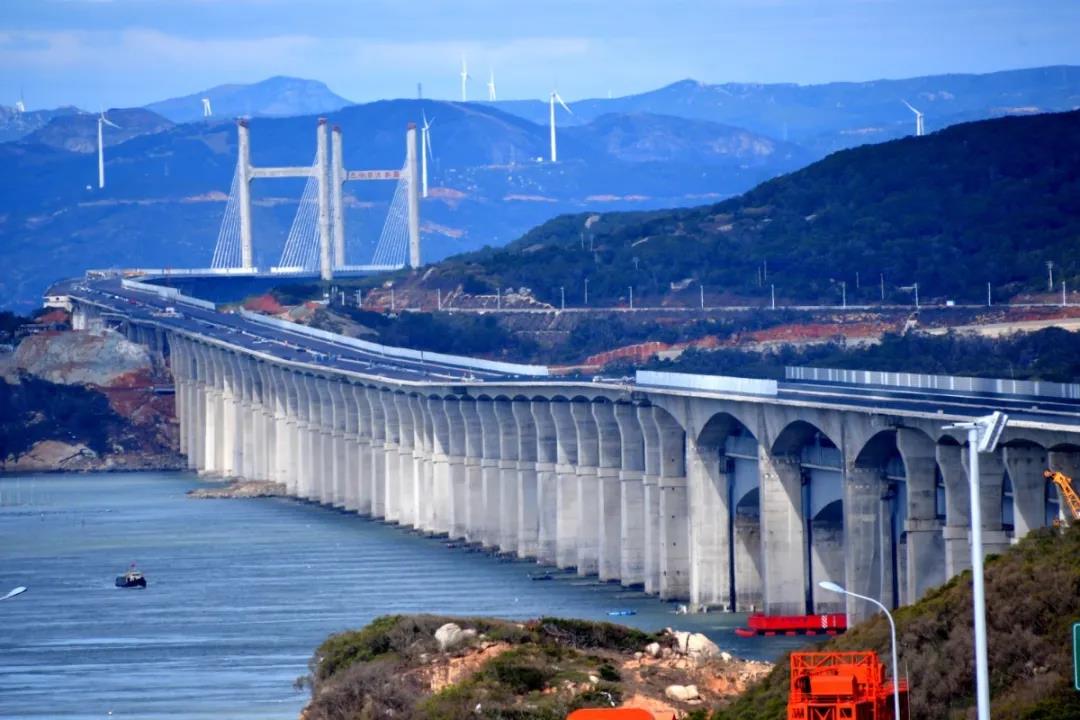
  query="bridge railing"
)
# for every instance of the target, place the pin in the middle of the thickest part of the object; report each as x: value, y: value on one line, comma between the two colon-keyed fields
x: 917, y: 381
x: 711, y: 383
x: 400, y: 352
x: 166, y: 293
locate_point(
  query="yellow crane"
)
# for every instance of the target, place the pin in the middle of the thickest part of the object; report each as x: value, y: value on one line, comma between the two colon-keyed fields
x: 1064, y: 483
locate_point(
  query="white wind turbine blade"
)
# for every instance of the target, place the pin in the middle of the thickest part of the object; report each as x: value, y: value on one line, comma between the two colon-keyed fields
x: 564, y: 105
x: 909, y: 107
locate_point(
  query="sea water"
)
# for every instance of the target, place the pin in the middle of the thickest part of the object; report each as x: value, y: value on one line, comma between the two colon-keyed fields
x: 240, y: 594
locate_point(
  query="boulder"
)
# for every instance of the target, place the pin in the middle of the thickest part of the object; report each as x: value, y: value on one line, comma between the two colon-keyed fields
x: 681, y: 693
x: 695, y: 645
x: 451, y: 635
x: 653, y: 650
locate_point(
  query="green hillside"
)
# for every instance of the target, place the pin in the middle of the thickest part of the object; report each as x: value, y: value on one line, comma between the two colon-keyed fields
x: 1032, y: 600
x: 990, y: 201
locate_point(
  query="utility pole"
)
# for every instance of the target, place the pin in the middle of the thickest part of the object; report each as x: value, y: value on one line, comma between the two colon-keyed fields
x: 765, y: 269
x: 1050, y: 275
x: 1064, y: 300
x: 702, y: 289
x: 631, y: 297
x: 562, y: 297
x: 916, y: 296
x: 772, y: 292
x: 843, y: 293
x: 586, y: 291
x: 498, y: 298
x: 392, y: 305
x: 989, y: 299
x: 438, y: 295
x: 857, y: 286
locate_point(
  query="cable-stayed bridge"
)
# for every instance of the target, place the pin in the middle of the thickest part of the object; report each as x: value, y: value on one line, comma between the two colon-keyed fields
x: 316, y: 242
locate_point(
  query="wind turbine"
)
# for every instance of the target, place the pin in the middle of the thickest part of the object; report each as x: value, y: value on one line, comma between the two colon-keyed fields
x: 102, y: 121
x: 206, y: 111
x: 491, y: 87
x: 465, y: 77
x: 425, y: 152
x: 918, y: 119
x: 551, y: 119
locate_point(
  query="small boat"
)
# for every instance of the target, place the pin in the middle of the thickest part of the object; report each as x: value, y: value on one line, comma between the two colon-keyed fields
x: 131, y: 579
x: 772, y: 625
x: 541, y: 576
x: 621, y: 613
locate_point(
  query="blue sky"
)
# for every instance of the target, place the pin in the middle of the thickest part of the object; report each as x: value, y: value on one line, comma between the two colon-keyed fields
x: 130, y: 52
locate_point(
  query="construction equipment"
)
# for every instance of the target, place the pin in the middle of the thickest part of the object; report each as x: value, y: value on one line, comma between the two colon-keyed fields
x: 1064, y: 483
x: 841, y: 686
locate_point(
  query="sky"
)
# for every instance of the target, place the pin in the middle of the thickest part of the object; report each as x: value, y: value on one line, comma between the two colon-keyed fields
x: 120, y: 53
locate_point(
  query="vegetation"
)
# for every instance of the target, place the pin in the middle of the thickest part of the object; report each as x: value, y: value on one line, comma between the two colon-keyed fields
x: 1052, y: 354
x: 34, y: 409
x: 982, y: 202
x: 379, y: 670
x: 1032, y: 600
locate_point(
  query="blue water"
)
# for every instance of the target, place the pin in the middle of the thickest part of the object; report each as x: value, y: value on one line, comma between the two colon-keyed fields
x: 240, y: 594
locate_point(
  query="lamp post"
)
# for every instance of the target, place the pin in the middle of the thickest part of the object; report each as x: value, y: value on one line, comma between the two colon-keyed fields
x: 983, y: 435
x: 825, y: 584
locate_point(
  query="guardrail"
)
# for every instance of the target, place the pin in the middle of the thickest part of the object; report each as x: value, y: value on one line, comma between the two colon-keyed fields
x: 400, y: 352
x: 713, y: 383
x: 917, y: 381
x: 166, y: 293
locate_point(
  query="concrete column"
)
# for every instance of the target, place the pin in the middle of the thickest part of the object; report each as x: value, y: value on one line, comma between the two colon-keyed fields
x: 546, y: 482
x: 227, y: 457
x: 245, y: 445
x: 215, y: 412
x: 925, y: 541
x: 352, y: 398
x: 609, y: 491
x: 651, y: 493
x: 405, y: 473
x: 567, y: 490
x: 306, y: 436
x: 710, y: 526
x: 489, y: 472
x: 442, y: 484
x: 360, y: 477
x: 378, y: 454
x: 424, y: 481
x: 178, y: 370
x: 991, y: 482
x: 674, y: 510
x: 957, y: 528
x: 285, y: 459
x: 508, y: 476
x: 455, y: 424
x: 325, y: 440
x: 863, y: 561
x: 528, y: 519
x: 1026, y: 465
x: 588, y: 491
x: 631, y: 496
x: 267, y: 401
x: 390, y: 428
x: 337, y: 442
x: 475, y: 522
x: 783, y: 536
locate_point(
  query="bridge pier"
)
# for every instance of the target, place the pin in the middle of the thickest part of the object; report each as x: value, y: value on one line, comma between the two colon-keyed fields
x: 925, y: 540
x: 489, y: 473
x: 458, y: 492
x: 405, y: 473
x: 507, y: 477
x: 474, y: 477
x: 782, y: 535
x: 566, y: 489
x: 527, y: 490
x: 547, y: 457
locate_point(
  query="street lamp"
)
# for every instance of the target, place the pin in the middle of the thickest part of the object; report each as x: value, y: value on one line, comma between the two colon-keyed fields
x: 17, y: 591
x: 833, y: 587
x: 983, y: 435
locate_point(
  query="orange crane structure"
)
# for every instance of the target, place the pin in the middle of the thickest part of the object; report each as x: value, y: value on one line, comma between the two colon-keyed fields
x: 841, y: 686
x: 1064, y: 483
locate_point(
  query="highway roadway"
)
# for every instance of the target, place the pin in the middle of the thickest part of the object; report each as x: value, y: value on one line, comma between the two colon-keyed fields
x: 300, y: 347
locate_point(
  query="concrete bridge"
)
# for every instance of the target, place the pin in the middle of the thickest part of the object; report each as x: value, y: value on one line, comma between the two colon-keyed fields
x: 724, y: 492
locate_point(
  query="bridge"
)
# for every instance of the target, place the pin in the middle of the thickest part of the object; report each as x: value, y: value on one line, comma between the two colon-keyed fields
x: 724, y: 492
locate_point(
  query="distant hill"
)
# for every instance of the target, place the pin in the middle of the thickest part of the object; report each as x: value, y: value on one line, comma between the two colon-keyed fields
x: 78, y: 132
x: 15, y: 125
x: 166, y: 190
x: 832, y: 116
x: 977, y: 203
x: 274, y: 97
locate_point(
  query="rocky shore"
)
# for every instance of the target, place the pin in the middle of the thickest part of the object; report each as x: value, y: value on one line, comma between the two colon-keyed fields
x: 240, y: 489
x: 424, y: 666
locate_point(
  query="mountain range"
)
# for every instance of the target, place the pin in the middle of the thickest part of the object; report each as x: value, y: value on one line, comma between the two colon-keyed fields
x: 165, y: 190
x: 977, y: 205
x: 278, y: 96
